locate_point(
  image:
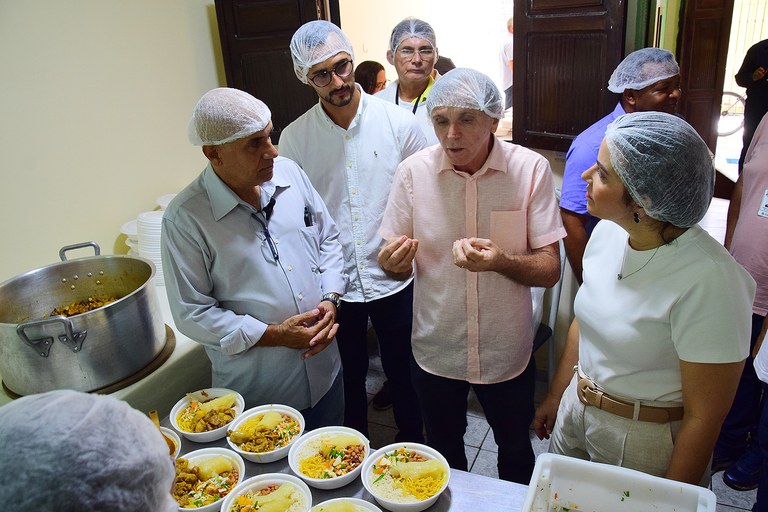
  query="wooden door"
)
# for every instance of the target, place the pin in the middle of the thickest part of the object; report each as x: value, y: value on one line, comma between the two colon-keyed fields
x: 255, y: 38
x: 565, y: 51
x: 702, y: 53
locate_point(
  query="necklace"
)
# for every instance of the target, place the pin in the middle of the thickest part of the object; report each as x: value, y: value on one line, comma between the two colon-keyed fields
x: 621, y: 275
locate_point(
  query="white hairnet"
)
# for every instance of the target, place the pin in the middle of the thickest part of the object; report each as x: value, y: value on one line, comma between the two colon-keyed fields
x: 67, y: 451
x: 664, y: 165
x: 316, y: 42
x: 224, y: 115
x: 466, y: 88
x: 642, y: 68
x: 411, y: 27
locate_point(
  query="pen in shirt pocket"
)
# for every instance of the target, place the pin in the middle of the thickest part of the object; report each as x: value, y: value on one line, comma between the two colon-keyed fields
x: 307, y: 217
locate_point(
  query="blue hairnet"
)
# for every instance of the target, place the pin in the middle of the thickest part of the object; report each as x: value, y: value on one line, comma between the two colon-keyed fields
x: 224, y: 115
x: 642, y: 68
x: 67, y: 451
x: 466, y: 88
x: 664, y: 165
x: 316, y: 42
x: 411, y: 27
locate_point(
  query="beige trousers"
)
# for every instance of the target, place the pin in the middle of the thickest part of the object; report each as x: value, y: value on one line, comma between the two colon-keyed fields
x: 589, y: 433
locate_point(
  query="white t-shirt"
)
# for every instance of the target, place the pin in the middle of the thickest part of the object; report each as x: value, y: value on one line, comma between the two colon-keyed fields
x: 505, y: 55
x: 688, y: 301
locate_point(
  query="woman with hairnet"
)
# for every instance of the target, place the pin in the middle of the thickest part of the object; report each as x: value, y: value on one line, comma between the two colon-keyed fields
x: 653, y: 357
x: 75, y: 452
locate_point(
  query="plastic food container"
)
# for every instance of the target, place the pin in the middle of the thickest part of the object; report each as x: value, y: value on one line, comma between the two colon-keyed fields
x: 561, y: 483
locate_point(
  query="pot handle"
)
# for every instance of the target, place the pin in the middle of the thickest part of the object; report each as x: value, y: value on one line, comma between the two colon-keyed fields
x: 70, y: 338
x: 63, y: 250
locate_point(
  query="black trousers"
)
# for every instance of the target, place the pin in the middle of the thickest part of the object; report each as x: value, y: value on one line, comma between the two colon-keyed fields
x: 391, y: 318
x: 508, y: 407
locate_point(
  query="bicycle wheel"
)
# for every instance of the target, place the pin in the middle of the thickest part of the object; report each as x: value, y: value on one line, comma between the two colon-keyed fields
x: 731, y: 114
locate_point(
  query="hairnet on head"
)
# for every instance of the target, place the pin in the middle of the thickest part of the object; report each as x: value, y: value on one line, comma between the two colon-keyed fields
x: 315, y: 42
x: 224, y: 115
x: 466, y: 88
x: 411, y: 27
x: 70, y: 451
x: 664, y: 165
x: 642, y: 68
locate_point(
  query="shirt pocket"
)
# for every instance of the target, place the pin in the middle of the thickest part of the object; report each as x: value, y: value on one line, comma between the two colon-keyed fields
x: 509, y: 230
x: 310, y: 239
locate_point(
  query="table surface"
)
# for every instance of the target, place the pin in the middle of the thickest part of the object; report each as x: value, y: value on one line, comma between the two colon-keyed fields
x: 466, y: 491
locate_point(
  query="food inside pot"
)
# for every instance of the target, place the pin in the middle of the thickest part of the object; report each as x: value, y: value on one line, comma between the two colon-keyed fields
x: 83, y: 306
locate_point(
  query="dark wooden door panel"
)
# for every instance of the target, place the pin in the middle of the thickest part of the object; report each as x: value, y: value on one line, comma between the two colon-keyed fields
x: 702, y: 56
x: 566, y: 52
x: 255, y: 38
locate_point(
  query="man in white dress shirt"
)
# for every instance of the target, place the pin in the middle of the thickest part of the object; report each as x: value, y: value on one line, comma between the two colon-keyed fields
x: 253, y: 265
x: 350, y: 144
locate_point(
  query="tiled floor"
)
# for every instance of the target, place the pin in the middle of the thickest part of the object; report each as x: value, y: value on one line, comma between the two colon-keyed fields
x: 481, y: 448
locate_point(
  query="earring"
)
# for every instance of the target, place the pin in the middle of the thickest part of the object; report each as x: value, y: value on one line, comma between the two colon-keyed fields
x: 636, y: 217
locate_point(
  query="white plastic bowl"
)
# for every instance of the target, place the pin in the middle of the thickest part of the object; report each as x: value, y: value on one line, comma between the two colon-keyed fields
x: 211, y: 435
x: 259, y: 482
x: 563, y: 481
x: 204, y: 453
x: 274, y: 455
x: 368, y: 476
x: 360, y: 504
x: 314, y: 435
x: 175, y: 438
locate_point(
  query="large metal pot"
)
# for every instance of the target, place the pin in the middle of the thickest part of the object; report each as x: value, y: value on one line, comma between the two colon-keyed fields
x: 84, y: 352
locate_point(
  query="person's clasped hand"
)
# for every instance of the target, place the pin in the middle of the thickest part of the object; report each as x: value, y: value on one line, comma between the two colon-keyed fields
x: 312, y: 330
x: 758, y: 74
x: 476, y: 254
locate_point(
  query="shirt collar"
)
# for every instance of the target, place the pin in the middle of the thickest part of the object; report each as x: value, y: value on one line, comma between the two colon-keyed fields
x: 223, y: 199
x: 495, y: 161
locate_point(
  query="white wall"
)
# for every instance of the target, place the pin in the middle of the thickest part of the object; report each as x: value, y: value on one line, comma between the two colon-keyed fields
x: 470, y: 33
x: 96, y: 95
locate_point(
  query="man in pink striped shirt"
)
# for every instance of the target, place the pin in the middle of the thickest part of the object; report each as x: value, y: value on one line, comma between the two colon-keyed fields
x: 477, y: 220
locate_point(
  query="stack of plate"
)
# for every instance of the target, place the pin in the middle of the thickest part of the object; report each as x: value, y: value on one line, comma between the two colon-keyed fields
x: 149, y: 240
x: 131, y: 231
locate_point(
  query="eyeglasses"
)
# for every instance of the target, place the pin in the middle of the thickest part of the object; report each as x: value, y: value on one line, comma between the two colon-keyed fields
x: 342, y: 70
x: 408, y: 53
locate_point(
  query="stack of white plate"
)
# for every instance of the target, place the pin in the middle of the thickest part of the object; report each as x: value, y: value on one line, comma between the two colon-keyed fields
x: 131, y: 231
x: 149, y: 240
x: 163, y: 201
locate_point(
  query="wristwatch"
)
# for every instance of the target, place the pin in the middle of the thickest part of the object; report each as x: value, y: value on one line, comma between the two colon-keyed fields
x: 333, y: 298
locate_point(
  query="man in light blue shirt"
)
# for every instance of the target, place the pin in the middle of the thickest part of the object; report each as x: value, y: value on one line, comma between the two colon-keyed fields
x: 647, y: 79
x: 350, y: 144
x: 253, y: 265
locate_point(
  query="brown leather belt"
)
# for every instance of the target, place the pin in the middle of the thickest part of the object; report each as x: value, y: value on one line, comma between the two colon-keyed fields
x: 589, y: 394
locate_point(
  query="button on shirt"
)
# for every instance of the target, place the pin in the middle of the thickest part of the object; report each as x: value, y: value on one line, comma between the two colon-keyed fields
x: 225, y: 286
x: 352, y: 170
x: 473, y: 326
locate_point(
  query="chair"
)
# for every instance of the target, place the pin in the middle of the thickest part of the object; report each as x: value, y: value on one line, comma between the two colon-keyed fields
x: 546, y: 330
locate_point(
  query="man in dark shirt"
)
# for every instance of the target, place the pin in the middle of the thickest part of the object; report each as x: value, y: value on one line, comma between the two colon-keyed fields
x: 752, y: 75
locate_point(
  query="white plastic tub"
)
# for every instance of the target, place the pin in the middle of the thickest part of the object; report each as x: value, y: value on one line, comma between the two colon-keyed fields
x: 562, y: 483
